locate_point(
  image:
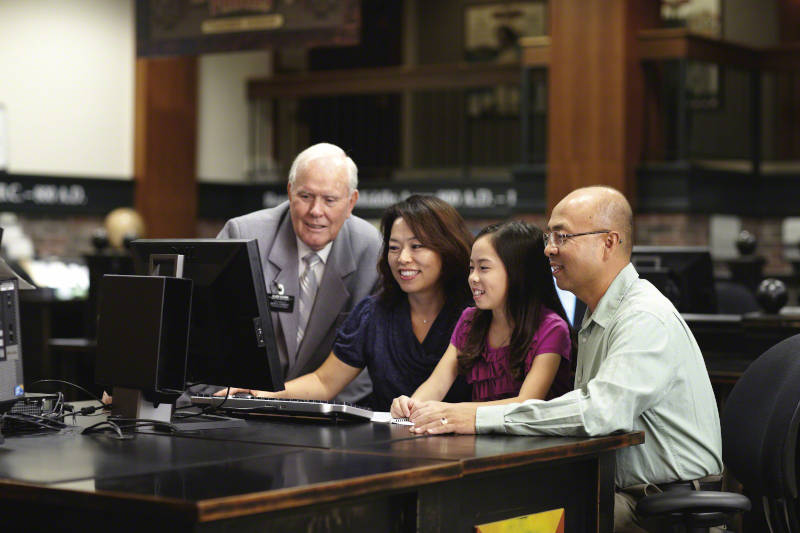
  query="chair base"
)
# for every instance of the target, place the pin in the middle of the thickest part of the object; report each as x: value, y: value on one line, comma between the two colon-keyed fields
x: 695, y: 510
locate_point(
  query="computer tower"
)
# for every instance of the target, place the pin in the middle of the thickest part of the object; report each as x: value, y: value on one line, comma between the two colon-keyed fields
x: 142, y: 334
x: 11, y: 381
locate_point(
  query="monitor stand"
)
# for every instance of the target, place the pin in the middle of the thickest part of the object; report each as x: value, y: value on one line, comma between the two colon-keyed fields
x: 130, y: 403
x: 196, y: 422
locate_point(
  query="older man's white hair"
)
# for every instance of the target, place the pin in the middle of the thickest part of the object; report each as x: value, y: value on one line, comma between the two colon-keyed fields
x: 327, y: 151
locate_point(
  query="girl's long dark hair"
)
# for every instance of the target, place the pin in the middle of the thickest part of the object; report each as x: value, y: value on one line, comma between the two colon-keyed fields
x: 439, y: 227
x: 530, y: 286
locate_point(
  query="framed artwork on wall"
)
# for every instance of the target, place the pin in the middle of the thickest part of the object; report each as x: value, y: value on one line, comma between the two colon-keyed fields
x: 700, y: 16
x: 492, y: 31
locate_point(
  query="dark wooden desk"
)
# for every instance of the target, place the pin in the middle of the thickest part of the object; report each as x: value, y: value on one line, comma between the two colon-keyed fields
x: 288, y: 476
x: 731, y: 342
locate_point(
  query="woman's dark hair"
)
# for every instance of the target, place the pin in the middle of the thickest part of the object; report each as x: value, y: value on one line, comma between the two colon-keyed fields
x: 440, y: 228
x: 530, y: 286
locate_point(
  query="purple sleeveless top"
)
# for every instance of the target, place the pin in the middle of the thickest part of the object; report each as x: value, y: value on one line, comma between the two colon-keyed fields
x: 491, y: 378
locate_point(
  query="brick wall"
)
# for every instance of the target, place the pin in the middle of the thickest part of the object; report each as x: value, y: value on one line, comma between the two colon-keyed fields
x: 693, y: 230
x: 70, y: 237
x: 770, y: 245
x: 60, y: 237
x: 671, y: 230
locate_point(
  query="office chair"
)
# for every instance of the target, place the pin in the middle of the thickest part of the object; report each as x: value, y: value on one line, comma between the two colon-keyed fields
x: 759, y: 446
x: 734, y: 298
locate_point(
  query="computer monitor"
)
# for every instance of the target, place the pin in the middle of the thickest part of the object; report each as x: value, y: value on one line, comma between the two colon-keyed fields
x: 231, y: 340
x: 684, y: 274
x: 573, y: 307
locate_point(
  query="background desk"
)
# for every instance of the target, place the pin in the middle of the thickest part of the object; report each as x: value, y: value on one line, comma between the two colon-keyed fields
x: 289, y: 476
x: 731, y: 342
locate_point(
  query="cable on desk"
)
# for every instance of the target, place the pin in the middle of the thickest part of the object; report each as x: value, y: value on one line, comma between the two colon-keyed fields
x: 107, y: 424
x: 89, y: 410
x: 29, y: 414
x: 40, y: 422
x: 207, y: 409
x: 144, y: 422
x: 119, y: 425
x: 91, y: 394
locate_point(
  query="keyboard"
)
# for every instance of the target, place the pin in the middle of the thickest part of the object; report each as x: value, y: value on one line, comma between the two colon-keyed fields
x: 333, y: 411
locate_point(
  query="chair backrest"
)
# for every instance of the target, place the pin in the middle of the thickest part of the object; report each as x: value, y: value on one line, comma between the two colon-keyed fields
x: 734, y: 298
x: 760, y: 422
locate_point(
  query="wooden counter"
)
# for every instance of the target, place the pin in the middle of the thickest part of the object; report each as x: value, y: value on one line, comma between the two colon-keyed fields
x: 288, y: 476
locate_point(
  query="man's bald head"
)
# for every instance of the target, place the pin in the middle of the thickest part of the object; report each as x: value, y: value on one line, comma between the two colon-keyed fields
x: 604, y: 207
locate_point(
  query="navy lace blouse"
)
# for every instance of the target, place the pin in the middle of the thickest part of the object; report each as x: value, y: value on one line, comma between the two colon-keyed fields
x: 383, y: 340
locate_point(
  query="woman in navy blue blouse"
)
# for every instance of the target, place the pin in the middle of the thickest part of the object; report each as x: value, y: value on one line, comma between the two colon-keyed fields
x: 401, y: 333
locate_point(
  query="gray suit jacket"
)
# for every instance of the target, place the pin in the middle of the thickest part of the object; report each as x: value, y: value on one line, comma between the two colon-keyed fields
x: 350, y: 275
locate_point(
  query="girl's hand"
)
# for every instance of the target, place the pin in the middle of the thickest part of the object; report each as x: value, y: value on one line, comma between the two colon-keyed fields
x: 401, y: 407
x: 435, y: 418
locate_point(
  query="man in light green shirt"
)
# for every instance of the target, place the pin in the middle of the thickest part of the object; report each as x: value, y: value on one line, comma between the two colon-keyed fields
x: 639, y: 367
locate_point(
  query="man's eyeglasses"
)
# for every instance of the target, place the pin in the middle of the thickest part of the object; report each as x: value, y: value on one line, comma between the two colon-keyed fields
x: 558, y: 239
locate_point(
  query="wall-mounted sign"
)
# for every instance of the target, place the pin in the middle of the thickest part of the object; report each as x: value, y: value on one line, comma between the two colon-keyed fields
x: 25, y: 193
x: 475, y: 200
x: 189, y: 27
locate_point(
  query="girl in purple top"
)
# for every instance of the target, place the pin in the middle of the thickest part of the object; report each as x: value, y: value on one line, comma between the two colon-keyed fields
x: 515, y: 344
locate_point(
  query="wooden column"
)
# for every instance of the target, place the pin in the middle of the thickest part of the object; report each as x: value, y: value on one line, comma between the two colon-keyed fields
x: 789, y: 21
x: 596, y: 92
x: 787, y: 133
x: 164, y: 152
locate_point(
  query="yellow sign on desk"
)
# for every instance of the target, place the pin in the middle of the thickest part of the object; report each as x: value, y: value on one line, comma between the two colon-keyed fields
x: 544, y: 522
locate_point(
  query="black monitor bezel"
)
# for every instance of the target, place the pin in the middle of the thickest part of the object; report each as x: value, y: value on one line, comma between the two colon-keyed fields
x: 271, y: 379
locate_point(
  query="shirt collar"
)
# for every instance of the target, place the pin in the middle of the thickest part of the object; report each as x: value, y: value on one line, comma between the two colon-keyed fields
x: 609, y: 304
x: 303, y: 250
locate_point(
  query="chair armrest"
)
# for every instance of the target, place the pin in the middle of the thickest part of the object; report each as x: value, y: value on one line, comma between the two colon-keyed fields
x: 690, y: 501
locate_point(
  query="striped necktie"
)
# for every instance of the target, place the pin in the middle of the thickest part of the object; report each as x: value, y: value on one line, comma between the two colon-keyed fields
x: 308, y: 291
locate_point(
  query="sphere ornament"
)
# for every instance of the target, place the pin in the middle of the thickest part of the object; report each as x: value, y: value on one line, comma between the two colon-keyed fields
x: 123, y: 223
x: 772, y: 295
x: 746, y: 242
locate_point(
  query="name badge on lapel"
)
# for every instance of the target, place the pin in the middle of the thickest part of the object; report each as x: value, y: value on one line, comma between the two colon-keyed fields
x: 278, y: 301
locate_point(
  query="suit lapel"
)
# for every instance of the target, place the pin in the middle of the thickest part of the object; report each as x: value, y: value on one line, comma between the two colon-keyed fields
x: 332, y: 295
x: 283, y: 256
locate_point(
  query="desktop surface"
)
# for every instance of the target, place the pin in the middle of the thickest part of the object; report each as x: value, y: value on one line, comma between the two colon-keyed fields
x: 68, y: 456
x: 741, y: 336
x: 313, y: 434
x: 729, y: 343
x: 285, y: 474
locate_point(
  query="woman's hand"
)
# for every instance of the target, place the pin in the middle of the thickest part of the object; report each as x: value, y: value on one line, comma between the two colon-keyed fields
x: 439, y: 417
x: 401, y: 407
x: 230, y: 391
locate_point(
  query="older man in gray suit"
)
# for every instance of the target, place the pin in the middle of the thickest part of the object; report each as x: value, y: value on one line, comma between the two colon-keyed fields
x: 312, y: 244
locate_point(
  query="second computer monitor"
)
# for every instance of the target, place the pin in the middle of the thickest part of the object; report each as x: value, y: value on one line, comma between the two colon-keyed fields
x: 684, y: 274
x: 231, y: 340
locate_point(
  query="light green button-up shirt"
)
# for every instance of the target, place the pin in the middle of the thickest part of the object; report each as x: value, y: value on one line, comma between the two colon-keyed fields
x: 639, y: 368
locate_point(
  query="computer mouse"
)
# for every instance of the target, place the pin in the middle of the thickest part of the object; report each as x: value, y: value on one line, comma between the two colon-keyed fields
x: 242, y: 395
